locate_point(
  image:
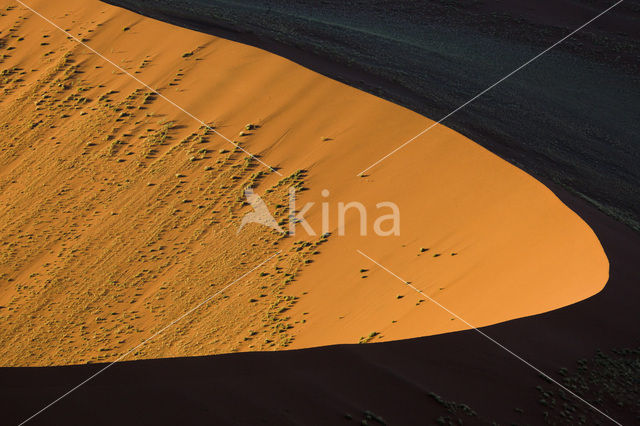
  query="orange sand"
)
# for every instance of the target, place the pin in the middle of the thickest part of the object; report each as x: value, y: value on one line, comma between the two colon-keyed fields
x: 103, y: 244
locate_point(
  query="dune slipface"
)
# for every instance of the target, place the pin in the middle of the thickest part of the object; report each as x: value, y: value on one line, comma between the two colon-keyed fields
x: 120, y: 211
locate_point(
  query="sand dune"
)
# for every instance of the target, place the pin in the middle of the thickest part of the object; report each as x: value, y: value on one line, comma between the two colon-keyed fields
x: 120, y: 211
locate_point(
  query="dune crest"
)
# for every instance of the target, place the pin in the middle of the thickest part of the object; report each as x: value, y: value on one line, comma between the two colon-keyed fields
x: 120, y: 212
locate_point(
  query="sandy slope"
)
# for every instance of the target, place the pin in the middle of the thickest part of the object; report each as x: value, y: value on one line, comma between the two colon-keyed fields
x: 105, y: 242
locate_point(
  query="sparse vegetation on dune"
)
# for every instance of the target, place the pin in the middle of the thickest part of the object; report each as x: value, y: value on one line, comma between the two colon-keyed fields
x: 117, y: 252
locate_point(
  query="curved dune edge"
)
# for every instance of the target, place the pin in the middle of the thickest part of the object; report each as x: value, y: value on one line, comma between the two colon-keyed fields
x: 519, y: 250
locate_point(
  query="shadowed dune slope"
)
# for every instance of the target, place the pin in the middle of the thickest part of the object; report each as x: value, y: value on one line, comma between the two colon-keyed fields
x: 120, y: 211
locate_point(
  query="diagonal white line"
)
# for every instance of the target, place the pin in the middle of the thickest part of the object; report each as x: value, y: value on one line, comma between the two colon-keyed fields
x: 489, y: 88
x: 500, y: 345
x: 149, y: 87
x: 145, y: 341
